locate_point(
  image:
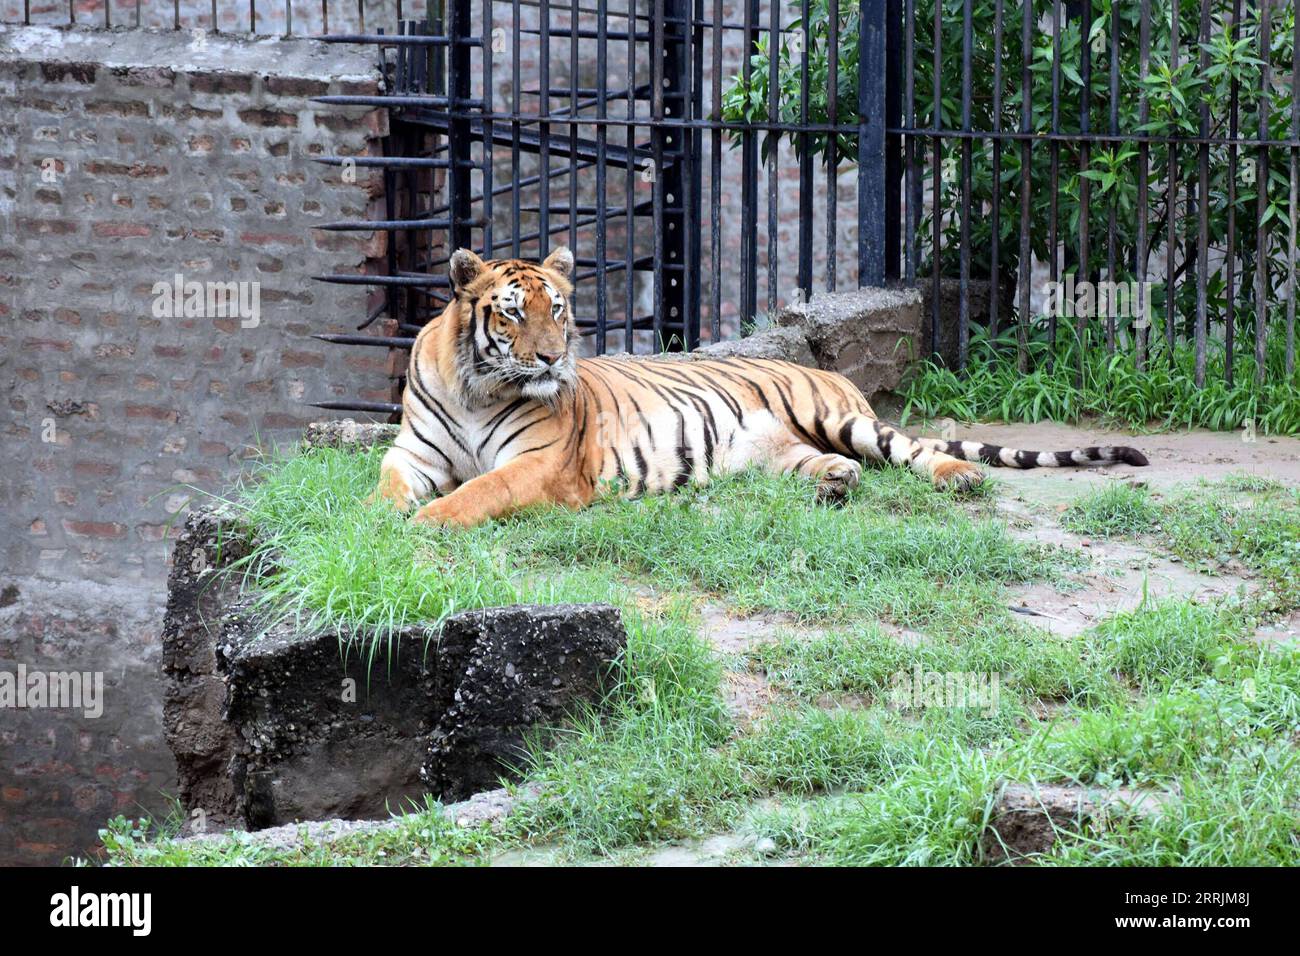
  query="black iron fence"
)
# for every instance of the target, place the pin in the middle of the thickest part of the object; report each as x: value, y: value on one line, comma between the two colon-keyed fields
x: 1116, y: 174
x: 613, y: 128
x: 1139, y: 149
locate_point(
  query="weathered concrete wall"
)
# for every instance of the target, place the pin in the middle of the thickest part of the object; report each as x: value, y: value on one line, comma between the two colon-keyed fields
x: 867, y: 335
x: 127, y: 157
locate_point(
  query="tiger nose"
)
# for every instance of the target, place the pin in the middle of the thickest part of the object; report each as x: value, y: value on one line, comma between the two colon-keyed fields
x: 546, y: 359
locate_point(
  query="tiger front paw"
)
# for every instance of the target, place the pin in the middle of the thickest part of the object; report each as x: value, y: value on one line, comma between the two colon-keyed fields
x: 392, y: 490
x: 439, y: 514
x: 434, y: 513
x: 956, y: 475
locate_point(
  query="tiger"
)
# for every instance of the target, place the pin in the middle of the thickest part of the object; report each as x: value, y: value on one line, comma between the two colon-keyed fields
x: 499, y: 414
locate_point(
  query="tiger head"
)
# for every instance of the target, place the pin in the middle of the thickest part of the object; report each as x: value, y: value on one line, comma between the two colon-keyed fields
x: 517, y: 330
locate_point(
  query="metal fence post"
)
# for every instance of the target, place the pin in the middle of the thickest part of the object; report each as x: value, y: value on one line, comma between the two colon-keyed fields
x: 872, y: 171
x: 461, y: 201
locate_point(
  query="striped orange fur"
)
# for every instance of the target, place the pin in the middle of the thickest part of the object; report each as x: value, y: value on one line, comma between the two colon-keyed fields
x: 499, y: 414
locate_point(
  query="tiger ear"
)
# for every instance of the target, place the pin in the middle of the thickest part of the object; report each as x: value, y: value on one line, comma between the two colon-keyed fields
x: 465, y: 268
x: 561, y: 261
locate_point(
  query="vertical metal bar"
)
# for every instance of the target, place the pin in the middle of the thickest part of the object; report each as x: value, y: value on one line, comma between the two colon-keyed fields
x: 1261, y: 186
x: 629, y: 219
x: 910, y: 142
x: 544, y: 133
x: 288, y: 17
x: 774, y: 141
x: 489, y: 107
x: 694, y: 168
x: 515, y: 197
x: 216, y: 27
x: 1230, y: 261
x: 677, y: 187
x: 575, y: 105
x: 391, y: 297
x: 405, y: 245
x: 1054, y: 198
x: 832, y: 186
x: 1025, y: 278
x: 1203, y: 206
x: 715, y: 180
x: 324, y: 14
x: 805, y: 156
x: 459, y: 131
x: 871, y: 143
x: 1171, y: 200
x: 602, y: 95
x: 108, y: 22
x: 1294, y: 198
x: 436, y: 20
x: 361, y: 15
x: 995, y: 221
x: 1143, y: 323
x: 403, y: 61
x: 1114, y: 145
x: 176, y: 13
x: 657, y: 146
x: 936, y: 192
x: 748, y: 181
x: 893, y: 118
x: 1085, y: 184
x: 963, y: 307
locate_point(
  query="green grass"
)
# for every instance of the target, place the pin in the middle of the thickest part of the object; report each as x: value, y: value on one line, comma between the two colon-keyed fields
x: 838, y: 769
x: 1164, y: 395
x: 930, y: 814
x: 1117, y: 509
x: 866, y: 660
x: 652, y: 766
x: 1222, y: 744
x: 421, y: 837
x: 897, y: 550
x: 1159, y: 643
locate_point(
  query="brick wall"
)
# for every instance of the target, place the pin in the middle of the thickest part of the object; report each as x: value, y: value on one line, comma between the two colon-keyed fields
x: 126, y: 158
x: 232, y: 15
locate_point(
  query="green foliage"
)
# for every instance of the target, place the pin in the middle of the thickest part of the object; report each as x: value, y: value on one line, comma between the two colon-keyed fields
x: 1173, y: 96
x: 651, y: 767
x: 931, y: 814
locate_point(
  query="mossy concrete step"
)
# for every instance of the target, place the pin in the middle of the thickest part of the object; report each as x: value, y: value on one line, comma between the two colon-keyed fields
x: 271, y: 725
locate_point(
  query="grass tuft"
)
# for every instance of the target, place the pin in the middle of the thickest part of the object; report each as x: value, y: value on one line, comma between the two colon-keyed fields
x: 1114, y: 390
